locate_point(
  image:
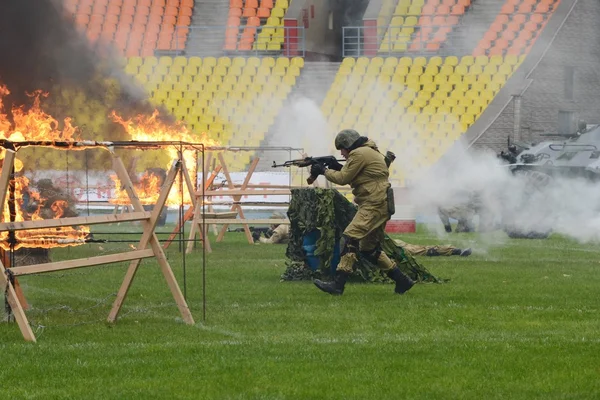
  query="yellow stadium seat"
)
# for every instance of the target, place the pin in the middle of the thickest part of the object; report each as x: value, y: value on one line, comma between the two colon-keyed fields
x: 224, y: 61
x: 454, y: 79
x: 388, y: 70
x: 461, y: 70
x: 470, y: 79
x: 476, y: 69
x: 446, y: 70
x: 165, y: 60
x: 467, y: 60
x: 451, y: 60
x: 505, y: 69
x: 152, y: 61
x: 482, y: 60
x: 398, y: 80
x: 405, y: 61
x: 180, y: 60
x: 195, y: 61
x: 429, y: 87
x: 511, y: 59
x: 391, y: 61
x: 425, y: 78
x: 210, y: 61
x: 131, y: 69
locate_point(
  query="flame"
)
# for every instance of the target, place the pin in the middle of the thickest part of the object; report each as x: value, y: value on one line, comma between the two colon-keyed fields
x: 147, y: 190
x: 35, y: 124
x: 151, y: 128
x: 40, y: 238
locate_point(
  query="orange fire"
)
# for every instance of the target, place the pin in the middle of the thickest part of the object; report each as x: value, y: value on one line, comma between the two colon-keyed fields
x: 147, y: 190
x: 35, y: 124
x: 151, y: 128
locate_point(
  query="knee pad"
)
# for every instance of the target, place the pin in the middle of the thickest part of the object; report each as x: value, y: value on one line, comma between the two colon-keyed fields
x: 371, y: 255
x: 350, y: 245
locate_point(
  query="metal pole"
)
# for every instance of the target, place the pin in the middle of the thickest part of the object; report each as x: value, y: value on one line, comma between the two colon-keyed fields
x: 203, y: 235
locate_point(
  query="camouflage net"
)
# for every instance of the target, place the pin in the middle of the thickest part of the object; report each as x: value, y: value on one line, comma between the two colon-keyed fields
x: 330, y: 212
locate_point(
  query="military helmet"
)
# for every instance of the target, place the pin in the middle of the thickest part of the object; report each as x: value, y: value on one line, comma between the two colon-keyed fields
x: 346, y: 138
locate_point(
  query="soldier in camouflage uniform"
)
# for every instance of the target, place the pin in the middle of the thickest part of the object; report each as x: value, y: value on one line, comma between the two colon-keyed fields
x: 463, y: 212
x: 366, y: 171
x: 432, y: 251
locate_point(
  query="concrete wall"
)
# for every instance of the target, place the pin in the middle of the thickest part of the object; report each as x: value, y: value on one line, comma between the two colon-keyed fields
x: 576, y: 46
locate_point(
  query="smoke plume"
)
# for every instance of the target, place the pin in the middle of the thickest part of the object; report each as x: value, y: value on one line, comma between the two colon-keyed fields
x: 42, y: 49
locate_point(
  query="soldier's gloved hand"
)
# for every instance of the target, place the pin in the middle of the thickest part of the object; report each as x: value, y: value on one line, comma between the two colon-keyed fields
x: 317, y: 169
x: 335, y: 165
x: 256, y: 236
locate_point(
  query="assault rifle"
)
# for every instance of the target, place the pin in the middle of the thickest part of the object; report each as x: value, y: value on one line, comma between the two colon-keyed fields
x: 329, y: 161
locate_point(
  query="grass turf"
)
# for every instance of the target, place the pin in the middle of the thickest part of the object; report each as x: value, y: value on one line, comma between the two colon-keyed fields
x: 519, y: 320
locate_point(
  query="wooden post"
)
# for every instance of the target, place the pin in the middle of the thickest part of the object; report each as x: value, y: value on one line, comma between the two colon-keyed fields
x: 5, y: 283
x: 237, y: 198
x: 149, y: 237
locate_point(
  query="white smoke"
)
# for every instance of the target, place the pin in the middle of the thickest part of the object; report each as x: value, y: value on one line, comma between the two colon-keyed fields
x: 523, y: 202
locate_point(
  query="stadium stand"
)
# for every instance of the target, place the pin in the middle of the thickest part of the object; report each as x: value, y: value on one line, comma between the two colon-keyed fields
x: 431, y: 102
x: 421, y: 25
x: 220, y: 96
x: 516, y: 28
x: 255, y: 26
x: 134, y: 27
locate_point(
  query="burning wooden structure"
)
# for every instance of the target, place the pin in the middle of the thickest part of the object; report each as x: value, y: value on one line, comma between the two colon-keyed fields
x: 12, y: 230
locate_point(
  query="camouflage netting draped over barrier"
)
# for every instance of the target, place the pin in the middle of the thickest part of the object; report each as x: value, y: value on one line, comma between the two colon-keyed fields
x: 330, y: 212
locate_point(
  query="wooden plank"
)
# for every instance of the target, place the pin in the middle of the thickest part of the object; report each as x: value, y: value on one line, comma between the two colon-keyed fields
x: 55, y: 223
x: 245, y: 221
x: 237, y: 198
x: 149, y: 237
x: 15, y: 306
x: 190, y: 212
x: 228, y: 214
x: 7, y: 167
x: 82, y: 262
x: 250, y: 203
x: 249, y: 192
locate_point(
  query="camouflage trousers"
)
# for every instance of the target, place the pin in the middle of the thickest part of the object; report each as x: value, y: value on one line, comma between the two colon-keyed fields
x: 418, y: 250
x: 463, y: 214
x: 368, y: 228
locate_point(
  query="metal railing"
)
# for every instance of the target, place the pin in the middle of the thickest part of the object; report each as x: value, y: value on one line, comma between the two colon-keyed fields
x: 393, y: 40
x: 246, y: 40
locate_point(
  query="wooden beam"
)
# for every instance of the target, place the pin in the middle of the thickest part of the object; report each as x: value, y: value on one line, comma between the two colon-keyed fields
x: 15, y: 306
x: 7, y: 169
x: 56, y: 223
x: 82, y: 262
x: 149, y: 237
x: 190, y: 212
x: 249, y: 192
x: 244, y: 221
x: 237, y: 198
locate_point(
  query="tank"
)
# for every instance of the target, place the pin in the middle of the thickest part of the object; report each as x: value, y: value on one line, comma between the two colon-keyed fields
x: 576, y: 155
x: 567, y: 156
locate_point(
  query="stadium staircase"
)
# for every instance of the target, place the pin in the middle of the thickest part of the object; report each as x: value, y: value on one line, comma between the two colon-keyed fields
x: 313, y: 83
x: 208, y: 42
x: 474, y: 24
x: 520, y: 81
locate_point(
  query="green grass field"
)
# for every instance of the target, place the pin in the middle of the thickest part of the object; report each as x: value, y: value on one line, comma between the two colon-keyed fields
x: 518, y: 320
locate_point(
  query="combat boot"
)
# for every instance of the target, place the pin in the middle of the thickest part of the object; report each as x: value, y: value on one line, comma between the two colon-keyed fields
x: 466, y: 252
x: 403, y: 282
x: 335, y: 287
